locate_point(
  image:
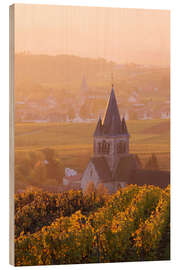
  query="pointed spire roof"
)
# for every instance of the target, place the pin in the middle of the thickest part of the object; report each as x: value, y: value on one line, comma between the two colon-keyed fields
x: 112, y: 115
x: 124, y: 126
x: 112, y: 129
x: 98, y: 130
x: 112, y: 125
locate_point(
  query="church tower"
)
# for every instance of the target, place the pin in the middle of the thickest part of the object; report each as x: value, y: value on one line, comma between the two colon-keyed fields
x: 111, y: 137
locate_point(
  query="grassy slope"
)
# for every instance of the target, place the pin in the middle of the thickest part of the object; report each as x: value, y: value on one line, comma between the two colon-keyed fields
x: 73, y: 142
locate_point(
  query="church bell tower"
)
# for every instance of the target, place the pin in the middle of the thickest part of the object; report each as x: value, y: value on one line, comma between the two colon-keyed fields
x: 111, y: 137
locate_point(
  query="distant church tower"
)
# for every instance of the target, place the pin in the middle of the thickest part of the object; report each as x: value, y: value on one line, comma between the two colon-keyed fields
x: 83, y: 92
x: 111, y: 137
x: 84, y: 86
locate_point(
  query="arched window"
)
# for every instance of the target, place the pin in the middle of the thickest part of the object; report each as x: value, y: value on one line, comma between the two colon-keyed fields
x: 121, y: 147
x: 124, y: 147
x: 104, y: 147
x: 99, y: 147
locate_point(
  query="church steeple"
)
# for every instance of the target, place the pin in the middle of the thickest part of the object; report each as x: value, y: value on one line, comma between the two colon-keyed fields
x: 111, y: 138
x: 112, y: 125
x: 112, y: 115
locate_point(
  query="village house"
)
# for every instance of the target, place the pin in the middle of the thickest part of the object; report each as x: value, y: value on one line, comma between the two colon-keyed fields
x: 72, y: 179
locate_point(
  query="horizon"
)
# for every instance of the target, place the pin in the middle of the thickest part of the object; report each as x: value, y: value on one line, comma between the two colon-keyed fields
x: 28, y: 53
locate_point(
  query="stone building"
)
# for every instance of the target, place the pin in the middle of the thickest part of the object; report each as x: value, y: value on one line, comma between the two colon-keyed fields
x: 111, y: 163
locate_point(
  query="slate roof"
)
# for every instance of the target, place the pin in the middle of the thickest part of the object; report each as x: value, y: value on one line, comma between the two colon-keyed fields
x: 124, y: 126
x: 112, y: 117
x: 148, y: 177
x: 112, y: 124
x: 129, y: 170
x: 124, y: 169
x: 102, y: 168
x: 126, y: 165
x: 98, y: 130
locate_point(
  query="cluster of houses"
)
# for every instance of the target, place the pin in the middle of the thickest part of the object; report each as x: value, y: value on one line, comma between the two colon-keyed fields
x: 48, y: 110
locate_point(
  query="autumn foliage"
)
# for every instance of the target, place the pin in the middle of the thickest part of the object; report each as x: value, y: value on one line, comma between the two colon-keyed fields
x: 72, y: 227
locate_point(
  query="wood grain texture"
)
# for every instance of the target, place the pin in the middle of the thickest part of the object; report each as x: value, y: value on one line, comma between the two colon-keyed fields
x: 11, y: 134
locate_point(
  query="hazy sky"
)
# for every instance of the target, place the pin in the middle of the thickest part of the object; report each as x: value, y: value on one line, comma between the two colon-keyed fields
x: 121, y: 35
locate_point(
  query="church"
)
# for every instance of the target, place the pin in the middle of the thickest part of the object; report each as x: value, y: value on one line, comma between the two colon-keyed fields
x: 111, y: 163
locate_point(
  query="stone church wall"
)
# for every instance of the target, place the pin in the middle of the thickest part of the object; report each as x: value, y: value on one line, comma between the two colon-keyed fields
x: 89, y: 175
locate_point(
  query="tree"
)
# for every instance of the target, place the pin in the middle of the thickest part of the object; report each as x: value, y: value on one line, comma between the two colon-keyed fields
x: 49, y: 153
x: 101, y: 190
x: 55, y: 170
x: 90, y: 188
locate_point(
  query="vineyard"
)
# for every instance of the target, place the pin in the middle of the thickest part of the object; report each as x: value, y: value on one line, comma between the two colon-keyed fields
x: 72, y: 144
x: 71, y: 227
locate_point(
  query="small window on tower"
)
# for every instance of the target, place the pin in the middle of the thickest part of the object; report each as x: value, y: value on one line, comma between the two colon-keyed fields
x: 99, y: 147
x: 91, y: 172
x: 105, y: 147
x: 119, y: 148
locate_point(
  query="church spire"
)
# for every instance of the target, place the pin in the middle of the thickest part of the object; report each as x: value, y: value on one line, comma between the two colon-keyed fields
x: 124, y: 126
x: 112, y: 129
x: 112, y: 114
x: 98, y: 131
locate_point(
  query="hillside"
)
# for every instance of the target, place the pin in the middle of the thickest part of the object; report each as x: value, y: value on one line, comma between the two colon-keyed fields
x: 48, y: 87
x: 67, y: 71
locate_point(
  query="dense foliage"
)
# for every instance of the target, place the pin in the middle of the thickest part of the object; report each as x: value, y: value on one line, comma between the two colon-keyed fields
x: 35, y: 209
x: 131, y: 225
x: 41, y: 169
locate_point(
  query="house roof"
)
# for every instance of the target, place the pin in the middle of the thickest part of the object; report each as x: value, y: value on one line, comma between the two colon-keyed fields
x: 126, y: 165
x: 102, y: 168
x: 129, y: 170
x: 149, y: 177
